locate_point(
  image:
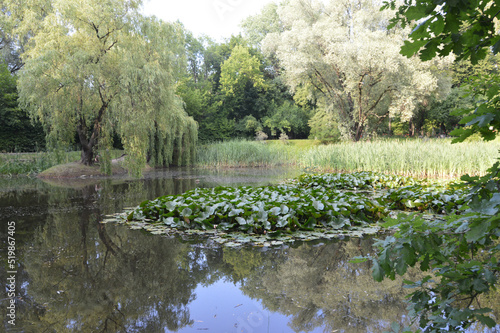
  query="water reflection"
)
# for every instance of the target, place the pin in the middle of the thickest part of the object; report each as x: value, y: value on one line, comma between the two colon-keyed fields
x: 77, y: 275
x: 88, y: 277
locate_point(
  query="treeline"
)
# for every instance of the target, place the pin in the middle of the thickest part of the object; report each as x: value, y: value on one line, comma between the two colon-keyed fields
x: 329, y: 71
x: 325, y: 71
x: 17, y: 133
x: 233, y: 90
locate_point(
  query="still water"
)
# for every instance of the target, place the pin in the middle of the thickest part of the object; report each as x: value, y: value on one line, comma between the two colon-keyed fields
x: 75, y: 274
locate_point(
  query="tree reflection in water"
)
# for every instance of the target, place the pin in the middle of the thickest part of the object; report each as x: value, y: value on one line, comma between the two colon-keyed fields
x: 77, y: 275
x: 92, y: 277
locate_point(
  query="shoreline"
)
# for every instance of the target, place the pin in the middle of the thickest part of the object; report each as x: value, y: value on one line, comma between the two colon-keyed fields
x: 74, y: 170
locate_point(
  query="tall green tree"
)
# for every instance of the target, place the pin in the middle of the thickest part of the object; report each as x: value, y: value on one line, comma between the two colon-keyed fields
x: 242, y: 82
x: 345, y: 52
x: 240, y: 68
x: 258, y: 26
x: 98, y: 67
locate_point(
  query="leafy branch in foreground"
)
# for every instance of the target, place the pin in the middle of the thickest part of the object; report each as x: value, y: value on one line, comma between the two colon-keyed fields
x: 461, y: 252
x: 464, y: 28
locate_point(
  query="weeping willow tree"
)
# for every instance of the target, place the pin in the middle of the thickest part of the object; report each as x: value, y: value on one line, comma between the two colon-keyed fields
x: 97, y: 67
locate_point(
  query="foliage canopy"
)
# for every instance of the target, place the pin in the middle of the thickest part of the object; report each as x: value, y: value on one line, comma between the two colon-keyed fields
x: 96, y: 68
x: 343, y: 51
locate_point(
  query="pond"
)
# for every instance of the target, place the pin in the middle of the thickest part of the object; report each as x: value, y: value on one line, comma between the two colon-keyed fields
x: 75, y: 274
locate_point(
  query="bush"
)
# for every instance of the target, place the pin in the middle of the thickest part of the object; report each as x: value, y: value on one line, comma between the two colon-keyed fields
x: 324, y: 127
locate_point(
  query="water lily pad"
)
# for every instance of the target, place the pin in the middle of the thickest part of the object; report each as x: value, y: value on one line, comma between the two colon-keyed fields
x: 232, y: 244
x: 310, y: 207
x: 136, y: 227
x: 318, y: 205
x: 109, y: 220
x: 187, y: 212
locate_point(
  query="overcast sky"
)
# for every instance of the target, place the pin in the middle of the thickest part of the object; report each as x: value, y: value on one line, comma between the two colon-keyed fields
x: 216, y: 18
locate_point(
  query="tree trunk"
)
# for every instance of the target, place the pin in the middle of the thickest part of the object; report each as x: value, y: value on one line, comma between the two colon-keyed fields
x: 87, y: 143
x: 87, y: 155
x: 412, y: 128
x: 359, y: 132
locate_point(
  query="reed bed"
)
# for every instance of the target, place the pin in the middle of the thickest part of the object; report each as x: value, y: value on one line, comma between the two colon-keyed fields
x: 242, y: 153
x: 432, y: 158
x: 417, y: 158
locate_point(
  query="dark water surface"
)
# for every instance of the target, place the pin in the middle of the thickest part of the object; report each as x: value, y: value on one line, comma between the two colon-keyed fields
x: 75, y: 274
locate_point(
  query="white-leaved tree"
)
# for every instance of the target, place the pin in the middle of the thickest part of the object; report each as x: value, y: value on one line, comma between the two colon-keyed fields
x: 98, y: 67
x: 343, y: 51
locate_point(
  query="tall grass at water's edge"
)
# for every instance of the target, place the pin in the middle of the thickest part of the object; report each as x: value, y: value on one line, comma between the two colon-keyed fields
x: 32, y: 163
x: 241, y: 153
x: 436, y: 158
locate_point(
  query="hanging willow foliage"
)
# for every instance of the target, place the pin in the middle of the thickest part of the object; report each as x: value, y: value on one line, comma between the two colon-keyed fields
x: 175, y: 146
x: 99, y: 68
x: 168, y: 124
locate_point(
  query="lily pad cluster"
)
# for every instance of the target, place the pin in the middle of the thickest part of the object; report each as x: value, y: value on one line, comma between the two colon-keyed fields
x: 430, y: 198
x: 261, y: 209
x: 326, y: 204
x: 359, y: 180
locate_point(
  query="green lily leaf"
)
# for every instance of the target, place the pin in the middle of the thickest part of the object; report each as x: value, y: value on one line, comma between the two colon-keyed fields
x: 318, y: 205
x: 240, y: 220
x: 186, y: 212
x: 275, y: 211
x: 235, y: 212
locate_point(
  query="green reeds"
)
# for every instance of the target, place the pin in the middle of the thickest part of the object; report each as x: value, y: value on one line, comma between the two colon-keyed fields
x: 242, y: 153
x: 434, y: 158
x: 33, y: 163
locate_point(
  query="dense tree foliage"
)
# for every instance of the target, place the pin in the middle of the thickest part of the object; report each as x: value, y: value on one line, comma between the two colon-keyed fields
x: 464, y: 28
x: 343, y: 50
x: 325, y: 70
x: 232, y: 90
x: 17, y: 133
x: 98, y: 68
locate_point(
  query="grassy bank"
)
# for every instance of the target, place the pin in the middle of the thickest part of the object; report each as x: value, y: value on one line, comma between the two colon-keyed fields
x: 415, y: 157
x: 34, y: 163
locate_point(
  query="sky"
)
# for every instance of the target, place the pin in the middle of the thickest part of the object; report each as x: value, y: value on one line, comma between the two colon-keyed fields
x: 218, y: 19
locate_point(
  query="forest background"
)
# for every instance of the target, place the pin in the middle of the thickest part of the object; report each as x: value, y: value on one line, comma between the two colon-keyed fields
x: 330, y: 71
